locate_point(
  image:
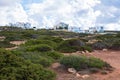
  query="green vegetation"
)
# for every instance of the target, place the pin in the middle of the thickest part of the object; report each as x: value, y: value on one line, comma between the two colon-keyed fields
x: 109, y: 41
x: 16, y: 68
x: 42, y: 48
x: 82, y: 62
x: 73, y: 45
x: 6, y: 44
x: 39, y: 48
x: 99, y: 45
x: 40, y: 41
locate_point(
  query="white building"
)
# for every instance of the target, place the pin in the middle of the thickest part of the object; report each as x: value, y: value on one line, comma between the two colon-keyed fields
x: 76, y: 29
x: 61, y: 26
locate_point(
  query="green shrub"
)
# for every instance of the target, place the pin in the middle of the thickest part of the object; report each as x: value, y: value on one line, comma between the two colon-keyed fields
x: 77, y: 62
x: 70, y: 45
x: 88, y: 48
x: 16, y: 68
x: 66, y: 49
x: 116, y: 45
x: 39, y: 48
x: 82, y: 62
x: 99, y: 45
x: 14, y: 38
x: 38, y: 42
x: 53, y: 55
x: 6, y: 44
x: 36, y: 57
x: 95, y: 63
x: 50, y: 38
x: 73, y: 45
x: 57, y: 39
x: 44, y: 61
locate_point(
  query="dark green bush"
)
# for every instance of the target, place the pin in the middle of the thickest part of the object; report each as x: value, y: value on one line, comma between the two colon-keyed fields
x: 82, y: 62
x: 14, y: 38
x: 53, y: 54
x: 73, y: 45
x: 39, y: 41
x: 6, y: 44
x: 99, y: 45
x: 39, y: 48
x: 36, y: 57
x: 16, y: 68
x: 50, y: 38
x: 44, y: 61
x: 95, y: 63
x: 88, y: 48
x: 116, y: 45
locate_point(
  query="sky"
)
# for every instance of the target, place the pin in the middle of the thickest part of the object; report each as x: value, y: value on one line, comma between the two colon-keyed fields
x: 80, y: 13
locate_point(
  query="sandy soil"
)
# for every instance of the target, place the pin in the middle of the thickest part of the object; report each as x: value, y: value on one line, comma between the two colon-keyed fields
x: 17, y: 43
x: 112, y: 57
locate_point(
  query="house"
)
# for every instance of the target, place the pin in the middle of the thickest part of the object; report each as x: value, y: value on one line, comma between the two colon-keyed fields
x: 61, y: 26
x: 76, y: 29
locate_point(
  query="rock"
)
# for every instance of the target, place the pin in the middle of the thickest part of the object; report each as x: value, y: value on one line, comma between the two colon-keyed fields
x: 72, y: 70
x: 94, y: 70
x: 78, y: 52
x: 55, y: 65
x: 83, y: 52
x: 74, y: 54
x: 104, y: 72
x: 105, y: 50
x: 86, y: 51
x: 78, y: 75
x: 85, y: 76
x: 84, y: 72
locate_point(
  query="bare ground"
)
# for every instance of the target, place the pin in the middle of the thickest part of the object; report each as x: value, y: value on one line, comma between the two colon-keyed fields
x: 17, y: 43
x: 111, y: 57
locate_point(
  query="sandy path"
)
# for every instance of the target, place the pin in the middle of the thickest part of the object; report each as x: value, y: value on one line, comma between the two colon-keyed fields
x: 17, y: 43
x: 113, y: 58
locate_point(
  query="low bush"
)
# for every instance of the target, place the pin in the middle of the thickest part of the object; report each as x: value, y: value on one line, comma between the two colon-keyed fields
x: 39, y: 48
x: 36, y: 57
x: 116, y: 45
x: 82, y: 62
x: 13, y: 67
x: 39, y: 41
x: 14, y: 38
x: 44, y: 61
x: 50, y: 38
x: 88, y: 48
x: 95, y: 63
x: 73, y: 45
x: 53, y: 55
x: 99, y: 45
x: 6, y: 44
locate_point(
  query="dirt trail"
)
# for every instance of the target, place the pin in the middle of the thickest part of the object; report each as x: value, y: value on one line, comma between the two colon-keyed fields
x: 17, y: 43
x: 111, y: 57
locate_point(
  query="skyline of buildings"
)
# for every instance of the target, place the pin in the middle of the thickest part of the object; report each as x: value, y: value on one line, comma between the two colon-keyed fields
x: 61, y: 26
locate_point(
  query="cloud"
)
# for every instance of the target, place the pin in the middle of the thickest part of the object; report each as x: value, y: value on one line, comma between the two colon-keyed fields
x: 47, y: 13
x: 113, y: 26
x: 12, y: 13
x: 4, y: 3
x: 74, y: 12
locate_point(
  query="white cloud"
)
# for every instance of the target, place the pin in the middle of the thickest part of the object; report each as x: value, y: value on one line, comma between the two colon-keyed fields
x: 113, y: 26
x: 52, y: 11
x: 8, y: 2
x: 80, y: 13
x: 13, y: 13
